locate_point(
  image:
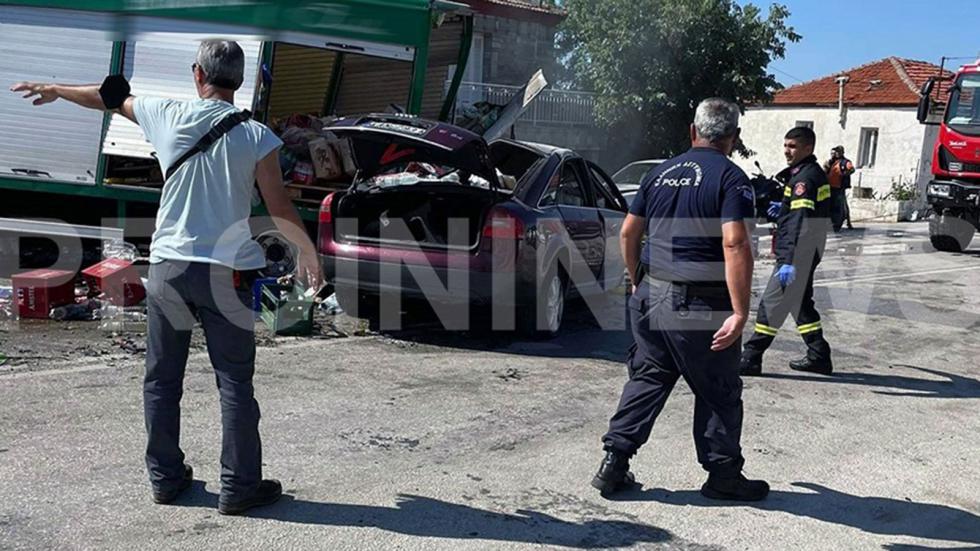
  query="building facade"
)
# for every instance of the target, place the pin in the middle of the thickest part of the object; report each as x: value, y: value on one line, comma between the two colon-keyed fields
x: 870, y: 110
x: 512, y: 40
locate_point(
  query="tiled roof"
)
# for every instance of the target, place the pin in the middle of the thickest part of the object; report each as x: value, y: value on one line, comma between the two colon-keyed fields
x: 519, y: 9
x: 533, y: 5
x: 890, y: 81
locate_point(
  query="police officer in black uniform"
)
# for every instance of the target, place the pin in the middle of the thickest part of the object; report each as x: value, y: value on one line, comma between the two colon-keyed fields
x: 803, y: 220
x: 689, y: 305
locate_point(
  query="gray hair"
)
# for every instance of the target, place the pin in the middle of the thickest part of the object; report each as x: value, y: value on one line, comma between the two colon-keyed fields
x: 223, y: 63
x: 716, y: 119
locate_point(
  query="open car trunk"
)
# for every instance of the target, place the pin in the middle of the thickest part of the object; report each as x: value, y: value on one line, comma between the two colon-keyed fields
x: 418, y: 183
x: 436, y: 216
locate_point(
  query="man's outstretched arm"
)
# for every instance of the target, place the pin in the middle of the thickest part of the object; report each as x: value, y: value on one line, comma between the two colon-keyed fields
x: 86, y: 95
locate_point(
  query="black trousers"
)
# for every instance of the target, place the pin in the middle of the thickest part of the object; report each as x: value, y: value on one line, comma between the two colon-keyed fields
x: 779, y: 303
x: 839, y: 210
x: 178, y: 293
x: 673, y: 326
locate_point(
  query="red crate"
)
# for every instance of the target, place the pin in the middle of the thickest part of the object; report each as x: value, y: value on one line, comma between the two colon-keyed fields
x: 38, y: 291
x: 117, y: 279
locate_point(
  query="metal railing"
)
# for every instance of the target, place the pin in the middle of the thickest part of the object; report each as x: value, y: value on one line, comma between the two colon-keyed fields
x: 559, y: 107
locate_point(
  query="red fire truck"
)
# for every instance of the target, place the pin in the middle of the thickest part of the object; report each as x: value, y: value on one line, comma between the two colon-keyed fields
x: 954, y: 192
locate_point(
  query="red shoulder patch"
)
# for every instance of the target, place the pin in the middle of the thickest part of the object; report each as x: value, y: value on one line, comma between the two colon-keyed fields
x: 800, y: 189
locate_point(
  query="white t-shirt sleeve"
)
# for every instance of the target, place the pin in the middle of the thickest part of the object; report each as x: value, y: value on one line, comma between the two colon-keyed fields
x: 151, y: 116
x: 266, y: 142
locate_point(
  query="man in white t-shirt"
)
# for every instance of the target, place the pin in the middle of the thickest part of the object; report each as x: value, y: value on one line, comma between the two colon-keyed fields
x: 202, y: 260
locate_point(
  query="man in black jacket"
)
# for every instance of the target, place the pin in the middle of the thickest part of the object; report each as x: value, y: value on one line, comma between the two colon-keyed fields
x: 802, y: 224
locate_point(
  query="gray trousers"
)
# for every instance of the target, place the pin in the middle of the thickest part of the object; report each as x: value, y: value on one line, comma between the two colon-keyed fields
x: 178, y: 294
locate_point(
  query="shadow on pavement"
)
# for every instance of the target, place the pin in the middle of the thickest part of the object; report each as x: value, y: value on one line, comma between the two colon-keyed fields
x: 954, y: 386
x: 875, y: 515
x: 426, y: 517
x: 581, y: 336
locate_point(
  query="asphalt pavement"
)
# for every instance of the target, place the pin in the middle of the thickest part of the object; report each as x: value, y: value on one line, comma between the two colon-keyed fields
x: 422, y: 439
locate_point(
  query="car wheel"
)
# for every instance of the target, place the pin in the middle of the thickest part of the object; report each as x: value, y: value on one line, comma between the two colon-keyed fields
x: 545, y: 316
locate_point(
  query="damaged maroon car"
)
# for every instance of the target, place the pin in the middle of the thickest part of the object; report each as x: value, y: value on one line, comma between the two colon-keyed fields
x: 436, y: 214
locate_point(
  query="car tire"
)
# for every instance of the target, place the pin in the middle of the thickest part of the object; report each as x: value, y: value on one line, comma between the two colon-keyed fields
x: 951, y: 234
x: 543, y: 318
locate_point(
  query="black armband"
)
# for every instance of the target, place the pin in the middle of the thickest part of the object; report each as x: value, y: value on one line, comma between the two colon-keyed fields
x: 114, y: 91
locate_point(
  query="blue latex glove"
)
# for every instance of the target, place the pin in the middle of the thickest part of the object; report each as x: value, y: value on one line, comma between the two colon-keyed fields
x: 774, y: 208
x: 786, y: 275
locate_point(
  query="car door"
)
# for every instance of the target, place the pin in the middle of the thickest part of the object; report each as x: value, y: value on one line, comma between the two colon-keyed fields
x: 576, y: 204
x: 611, y: 207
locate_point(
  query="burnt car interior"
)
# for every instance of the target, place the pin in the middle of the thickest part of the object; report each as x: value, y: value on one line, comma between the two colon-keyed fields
x: 431, y: 205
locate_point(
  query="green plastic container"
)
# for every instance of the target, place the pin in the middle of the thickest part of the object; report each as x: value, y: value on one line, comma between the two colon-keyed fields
x: 286, y: 311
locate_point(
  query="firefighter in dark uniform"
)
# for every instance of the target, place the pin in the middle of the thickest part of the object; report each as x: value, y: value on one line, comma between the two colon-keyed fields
x: 802, y: 219
x: 690, y: 303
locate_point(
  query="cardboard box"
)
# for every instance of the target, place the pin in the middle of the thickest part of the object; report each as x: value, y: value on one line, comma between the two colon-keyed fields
x: 38, y: 291
x: 326, y: 163
x: 294, y: 192
x: 117, y: 279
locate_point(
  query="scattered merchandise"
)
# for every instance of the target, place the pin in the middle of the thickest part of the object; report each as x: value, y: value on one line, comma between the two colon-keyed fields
x: 38, y: 291
x: 330, y: 306
x: 117, y: 280
x: 286, y: 309
x: 86, y: 309
x: 257, y: 291
x: 303, y: 173
x: 6, y: 302
x: 326, y: 161
x: 117, y: 248
x: 121, y: 319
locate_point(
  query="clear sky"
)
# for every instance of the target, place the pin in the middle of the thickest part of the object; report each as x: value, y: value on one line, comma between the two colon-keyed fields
x: 840, y: 34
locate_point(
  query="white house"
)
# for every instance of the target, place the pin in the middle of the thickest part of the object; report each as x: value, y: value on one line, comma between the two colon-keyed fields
x: 870, y: 110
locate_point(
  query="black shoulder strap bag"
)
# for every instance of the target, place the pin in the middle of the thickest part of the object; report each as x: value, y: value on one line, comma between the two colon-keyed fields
x: 217, y: 131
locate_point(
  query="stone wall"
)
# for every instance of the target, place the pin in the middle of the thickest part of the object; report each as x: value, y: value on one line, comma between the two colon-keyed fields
x: 514, y: 50
x: 866, y: 211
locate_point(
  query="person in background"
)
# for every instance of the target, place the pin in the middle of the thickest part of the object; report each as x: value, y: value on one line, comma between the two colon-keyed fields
x: 839, y: 170
x: 801, y: 235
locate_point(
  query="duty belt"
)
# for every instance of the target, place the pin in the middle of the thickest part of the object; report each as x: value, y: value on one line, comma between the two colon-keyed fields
x: 688, y: 288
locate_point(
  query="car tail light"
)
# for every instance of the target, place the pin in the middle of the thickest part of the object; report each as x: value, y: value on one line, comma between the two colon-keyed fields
x: 326, y: 216
x: 501, y: 224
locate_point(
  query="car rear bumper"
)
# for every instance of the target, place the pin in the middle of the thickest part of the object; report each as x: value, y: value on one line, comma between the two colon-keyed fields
x: 433, y: 283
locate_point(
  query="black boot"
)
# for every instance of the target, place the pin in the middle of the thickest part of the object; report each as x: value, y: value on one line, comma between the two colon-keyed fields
x: 614, y: 473
x: 823, y: 367
x: 749, y: 367
x: 734, y: 488
x: 268, y: 492
x: 164, y: 497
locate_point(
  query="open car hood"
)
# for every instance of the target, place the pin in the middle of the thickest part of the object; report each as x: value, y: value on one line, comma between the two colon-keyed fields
x: 379, y: 141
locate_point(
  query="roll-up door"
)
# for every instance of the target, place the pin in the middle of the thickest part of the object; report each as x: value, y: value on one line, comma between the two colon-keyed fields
x: 60, y: 140
x: 443, y: 54
x: 301, y: 78
x: 158, y: 61
x: 371, y: 84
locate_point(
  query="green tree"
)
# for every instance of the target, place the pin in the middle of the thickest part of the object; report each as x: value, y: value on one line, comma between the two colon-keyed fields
x: 651, y: 61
